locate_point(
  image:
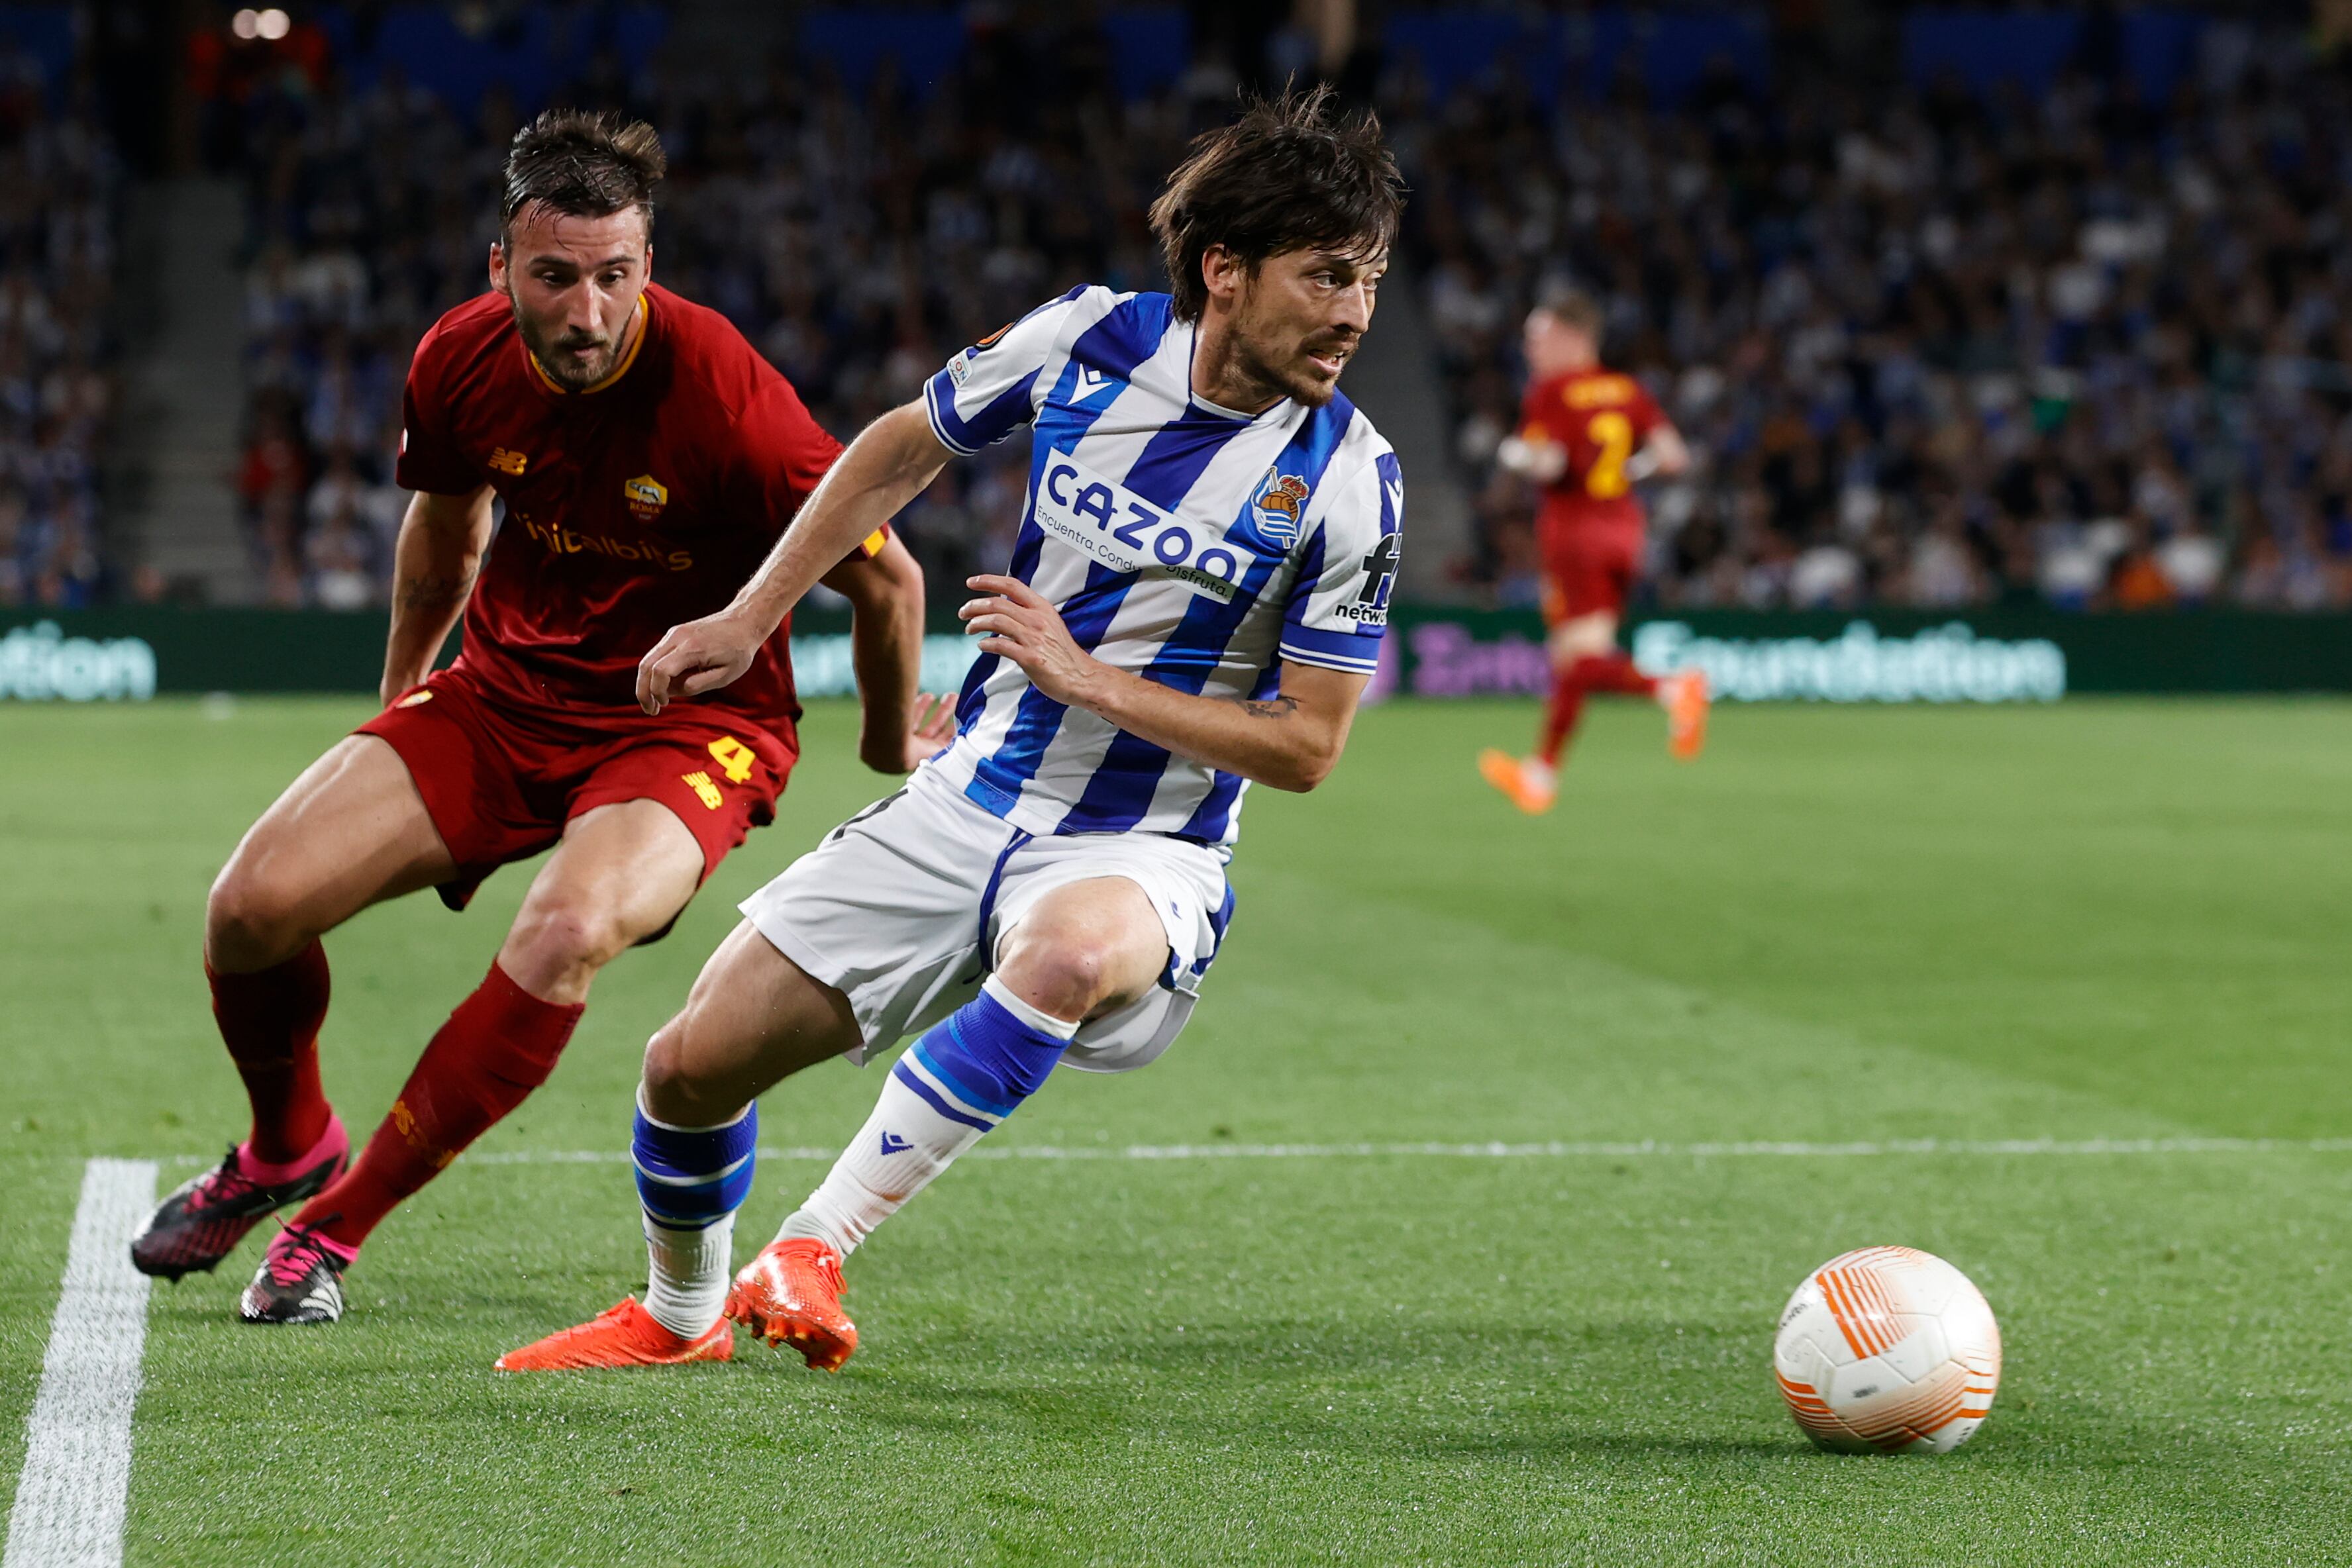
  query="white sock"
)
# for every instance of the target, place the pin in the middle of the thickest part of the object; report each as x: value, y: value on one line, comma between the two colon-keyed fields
x: 919, y: 1127
x: 686, y: 1288
x: 867, y: 1186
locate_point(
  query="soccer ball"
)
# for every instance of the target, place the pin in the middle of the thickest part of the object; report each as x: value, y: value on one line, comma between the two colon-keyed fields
x: 1887, y: 1350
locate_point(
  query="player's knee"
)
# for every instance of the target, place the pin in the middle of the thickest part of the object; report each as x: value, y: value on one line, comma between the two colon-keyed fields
x: 669, y: 1082
x: 1067, y: 969
x: 566, y: 936
x: 250, y: 920
x: 675, y: 1090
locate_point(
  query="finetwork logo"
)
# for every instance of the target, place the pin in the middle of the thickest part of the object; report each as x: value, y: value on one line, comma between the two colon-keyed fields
x: 41, y: 664
x: 1949, y: 663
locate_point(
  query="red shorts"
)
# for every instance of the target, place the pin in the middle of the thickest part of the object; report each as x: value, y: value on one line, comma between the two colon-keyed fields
x: 500, y: 782
x: 1585, y: 574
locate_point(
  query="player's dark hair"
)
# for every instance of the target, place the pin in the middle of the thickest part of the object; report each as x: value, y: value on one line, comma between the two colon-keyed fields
x: 1572, y: 306
x: 1292, y: 173
x: 587, y: 165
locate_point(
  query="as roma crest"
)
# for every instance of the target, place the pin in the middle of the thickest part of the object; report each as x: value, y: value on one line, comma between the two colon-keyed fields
x: 647, y: 497
x: 1274, y: 507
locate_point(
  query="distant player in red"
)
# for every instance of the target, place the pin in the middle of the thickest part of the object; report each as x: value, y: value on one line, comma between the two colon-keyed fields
x: 1587, y: 435
x: 647, y: 459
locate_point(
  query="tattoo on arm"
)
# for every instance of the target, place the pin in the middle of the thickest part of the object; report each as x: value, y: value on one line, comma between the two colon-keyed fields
x: 1271, y: 707
x: 435, y: 592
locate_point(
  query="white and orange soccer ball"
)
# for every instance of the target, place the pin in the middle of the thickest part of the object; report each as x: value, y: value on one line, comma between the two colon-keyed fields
x: 1887, y: 1350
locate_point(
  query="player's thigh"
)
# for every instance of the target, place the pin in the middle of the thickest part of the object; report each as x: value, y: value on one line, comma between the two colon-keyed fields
x: 350, y: 831
x: 621, y: 873
x: 1583, y: 636
x: 1085, y: 947
x: 754, y: 1019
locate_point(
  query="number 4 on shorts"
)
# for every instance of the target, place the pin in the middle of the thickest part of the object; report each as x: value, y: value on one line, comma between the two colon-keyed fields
x: 734, y: 759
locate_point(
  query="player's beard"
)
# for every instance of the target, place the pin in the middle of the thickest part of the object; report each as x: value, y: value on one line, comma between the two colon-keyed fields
x: 556, y: 357
x: 1268, y: 358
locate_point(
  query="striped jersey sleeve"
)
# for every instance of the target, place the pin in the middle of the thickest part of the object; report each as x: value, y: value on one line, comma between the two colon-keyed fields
x: 1339, y: 608
x: 992, y: 389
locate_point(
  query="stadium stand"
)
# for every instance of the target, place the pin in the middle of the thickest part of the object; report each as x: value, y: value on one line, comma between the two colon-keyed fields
x: 2062, y: 322
x: 857, y: 225
x: 2060, y: 327
x: 60, y: 200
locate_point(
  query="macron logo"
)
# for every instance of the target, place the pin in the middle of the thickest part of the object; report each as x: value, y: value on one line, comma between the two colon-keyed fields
x: 892, y: 1144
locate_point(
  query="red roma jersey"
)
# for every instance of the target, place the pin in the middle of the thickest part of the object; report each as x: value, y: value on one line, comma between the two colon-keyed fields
x: 632, y: 505
x: 1601, y: 417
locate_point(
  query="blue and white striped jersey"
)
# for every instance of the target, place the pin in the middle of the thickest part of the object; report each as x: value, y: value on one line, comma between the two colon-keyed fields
x: 1196, y: 546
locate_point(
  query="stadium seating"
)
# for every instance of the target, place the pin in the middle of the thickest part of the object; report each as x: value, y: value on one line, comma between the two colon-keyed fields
x: 2075, y: 345
x: 59, y: 189
x: 855, y: 236
x: 2080, y: 344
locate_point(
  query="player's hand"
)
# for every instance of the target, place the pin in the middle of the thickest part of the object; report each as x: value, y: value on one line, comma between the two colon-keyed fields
x: 1022, y: 625
x: 929, y: 731
x: 698, y: 657
x: 1541, y: 461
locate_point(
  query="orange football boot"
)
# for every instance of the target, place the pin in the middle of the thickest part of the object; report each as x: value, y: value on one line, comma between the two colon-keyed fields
x: 624, y: 1335
x: 1530, y: 785
x: 790, y: 1294
x: 1685, y: 698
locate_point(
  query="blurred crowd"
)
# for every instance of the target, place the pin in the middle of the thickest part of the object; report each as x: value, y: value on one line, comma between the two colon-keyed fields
x: 858, y: 238
x: 59, y: 185
x: 1935, y: 348
x: 1932, y: 348
x: 367, y: 214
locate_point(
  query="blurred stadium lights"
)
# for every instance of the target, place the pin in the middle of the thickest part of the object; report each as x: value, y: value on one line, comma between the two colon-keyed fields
x: 269, y: 26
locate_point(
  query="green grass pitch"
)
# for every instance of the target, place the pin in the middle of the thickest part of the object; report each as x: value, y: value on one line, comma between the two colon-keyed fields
x: 2118, y: 920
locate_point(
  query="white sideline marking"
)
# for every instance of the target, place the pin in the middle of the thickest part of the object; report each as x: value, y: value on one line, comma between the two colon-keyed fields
x: 70, y: 1501
x: 1646, y: 1149
x: 1496, y: 1150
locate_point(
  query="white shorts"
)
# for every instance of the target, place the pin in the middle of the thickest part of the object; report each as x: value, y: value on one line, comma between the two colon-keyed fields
x: 902, y: 907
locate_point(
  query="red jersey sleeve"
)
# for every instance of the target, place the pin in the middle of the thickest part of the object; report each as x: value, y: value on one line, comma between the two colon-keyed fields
x: 779, y: 453
x: 430, y: 460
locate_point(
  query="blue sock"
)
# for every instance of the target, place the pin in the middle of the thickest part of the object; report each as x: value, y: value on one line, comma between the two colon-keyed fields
x: 961, y: 1078
x: 690, y: 1181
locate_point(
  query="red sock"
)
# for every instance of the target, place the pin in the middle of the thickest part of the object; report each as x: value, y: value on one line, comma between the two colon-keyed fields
x: 498, y: 1046
x: 1614, y: 673
x: 1559, y: 718
x: 269, y: 1020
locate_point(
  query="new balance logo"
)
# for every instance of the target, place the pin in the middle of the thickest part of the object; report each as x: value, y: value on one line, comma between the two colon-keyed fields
x: 892, y: 1144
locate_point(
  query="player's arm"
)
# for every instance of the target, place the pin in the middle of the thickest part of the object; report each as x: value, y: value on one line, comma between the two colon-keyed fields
x: 886, y: 467
x: 1331, y: 632
x: 1665, y: 456
x: 434, y: 560
x: 896, y: 730
x: 1289, y: 741
x: 1533, y: 455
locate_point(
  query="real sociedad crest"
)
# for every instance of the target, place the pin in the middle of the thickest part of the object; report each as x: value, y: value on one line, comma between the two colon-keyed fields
x: 1275, y: 506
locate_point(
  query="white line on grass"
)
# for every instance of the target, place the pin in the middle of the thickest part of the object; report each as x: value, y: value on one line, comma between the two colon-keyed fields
x: 70, y: 1501
x: 1646, y: 1149
x: 1498, y: 1150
